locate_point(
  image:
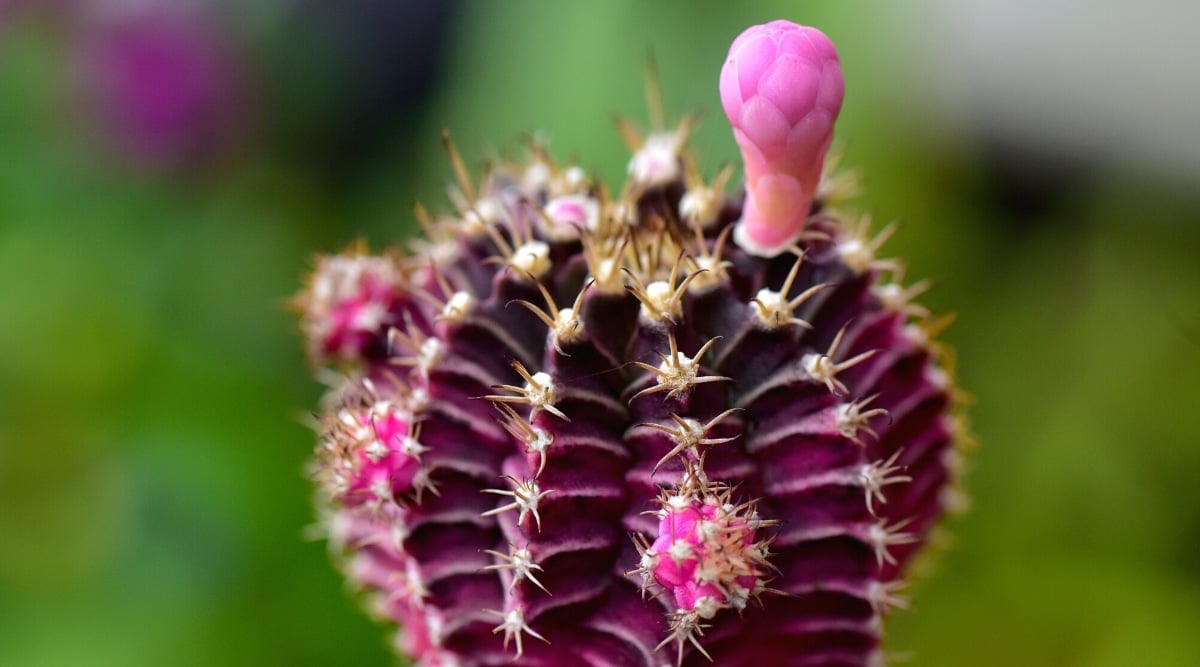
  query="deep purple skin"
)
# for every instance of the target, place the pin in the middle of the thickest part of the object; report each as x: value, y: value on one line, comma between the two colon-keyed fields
x: 600, y: 467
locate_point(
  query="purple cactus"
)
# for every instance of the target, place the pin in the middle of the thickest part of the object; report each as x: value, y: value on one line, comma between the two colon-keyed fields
x: 667, y: 427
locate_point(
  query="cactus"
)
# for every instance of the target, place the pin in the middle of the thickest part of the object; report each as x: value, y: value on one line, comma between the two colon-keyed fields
x: 669, y: 426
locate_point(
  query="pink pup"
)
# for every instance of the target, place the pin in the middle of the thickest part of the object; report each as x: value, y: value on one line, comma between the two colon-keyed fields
x: 781, y: 88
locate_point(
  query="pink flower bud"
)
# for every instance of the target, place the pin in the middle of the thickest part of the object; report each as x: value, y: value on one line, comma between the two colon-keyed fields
x: 781, y: 88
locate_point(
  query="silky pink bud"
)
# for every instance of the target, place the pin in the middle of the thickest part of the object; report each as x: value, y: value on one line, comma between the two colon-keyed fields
x: 781, y: 88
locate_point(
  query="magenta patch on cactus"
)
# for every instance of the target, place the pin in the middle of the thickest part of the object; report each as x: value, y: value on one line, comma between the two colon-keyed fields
x: 353, y: 301
x: 359, y: 314
x: 782, y: 89
x: 596, y: 430
x: 382, y: 458
x: 705, y: 555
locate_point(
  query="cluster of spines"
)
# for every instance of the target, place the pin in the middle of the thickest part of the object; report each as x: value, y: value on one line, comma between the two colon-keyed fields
x: 649, y: 278
x: 707, y: 554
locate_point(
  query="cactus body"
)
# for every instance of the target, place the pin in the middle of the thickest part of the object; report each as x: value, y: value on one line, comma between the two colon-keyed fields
x: 578, y: 429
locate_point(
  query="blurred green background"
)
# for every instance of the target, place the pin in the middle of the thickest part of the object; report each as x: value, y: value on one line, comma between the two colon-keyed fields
x: 152, y: 500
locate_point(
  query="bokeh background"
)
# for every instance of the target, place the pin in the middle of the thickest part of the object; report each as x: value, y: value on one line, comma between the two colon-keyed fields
x: 167, y: 169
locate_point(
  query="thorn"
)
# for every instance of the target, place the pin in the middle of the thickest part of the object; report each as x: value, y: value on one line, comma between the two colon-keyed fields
x: 605, y: 254
x: 700, y: 205
x: 774, y: 310
x: 536, y: 440
x: 483, y: 214
x: 925, y: 331
x: 528, y: 255
x: 822, y: 368
x: 520, y: 561
x: 837, y: 187
x: 689, y: 434
x: 424, y: 351
x: 654, y: 102
x: 460, y: 167
x: 565, y: 325
x: 422, y: 482
x: 456, y: 308
x: 893, y: 297
x: 648, y: 558
x: 685, y: 628
x: 881, y: 536
x: 513, y: 624
x: 525, y: 495
x: 662, y: 301
x: 424, y: 220
x: 854, y: 416
x: 711, y: 268
x: 859, y: 252
x: 874, y: 476
x: 630, y: 134
x: 678, y: 373
x: 884, y: 596
x: 538, y: 393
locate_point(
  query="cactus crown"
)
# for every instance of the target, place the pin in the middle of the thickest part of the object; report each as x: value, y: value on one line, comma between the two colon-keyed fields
x: 666, y: 425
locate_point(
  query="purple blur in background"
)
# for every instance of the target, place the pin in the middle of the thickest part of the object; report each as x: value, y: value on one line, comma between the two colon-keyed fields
x: 162, y: 82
